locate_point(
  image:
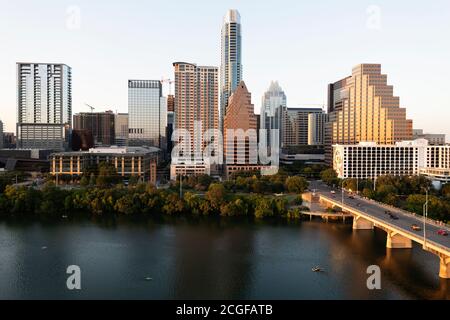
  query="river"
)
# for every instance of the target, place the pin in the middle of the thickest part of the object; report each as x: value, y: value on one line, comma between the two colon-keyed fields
x: 208, y: 259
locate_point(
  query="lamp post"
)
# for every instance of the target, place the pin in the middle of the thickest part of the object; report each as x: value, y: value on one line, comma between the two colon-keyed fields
x: 425, y: 215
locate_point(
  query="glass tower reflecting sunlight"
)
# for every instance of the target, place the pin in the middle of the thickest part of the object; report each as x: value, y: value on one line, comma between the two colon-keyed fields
x: 231, y: 65
x: 147, y: 114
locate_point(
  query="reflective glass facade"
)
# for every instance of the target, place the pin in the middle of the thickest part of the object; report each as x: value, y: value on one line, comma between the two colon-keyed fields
x: 274, y: 103
x: 147, y: 112
x: 44, y: 102
x: 231, y: 65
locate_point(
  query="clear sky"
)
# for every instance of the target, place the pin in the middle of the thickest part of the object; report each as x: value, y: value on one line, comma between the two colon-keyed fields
x: 303, y: 44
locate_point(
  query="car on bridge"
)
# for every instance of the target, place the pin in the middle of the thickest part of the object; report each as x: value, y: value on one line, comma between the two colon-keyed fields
x: 415, y: 227
x: 442, y: 233
x: 392, y: 216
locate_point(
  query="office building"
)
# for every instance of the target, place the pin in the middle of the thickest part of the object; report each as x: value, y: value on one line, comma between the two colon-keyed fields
x: 25, y: 160
x: 363, y: 108
x: 44, y: 105
x: 273, y: 105
x: 295, y: 124
x: 147, y: 114
x: 432, y: 138
x: 316, y: 128
x: 100, y: 124
x: 9, y: 140
x: 240, y: 134
x: 170, y: 103
x: 196, y: 108
x: 368, y: 160
x: 82, y: 140
x: 121, y: 129
x: 170, y: 128
x: 129, y: 162
x: 231, y: 59
x: 1, y: 134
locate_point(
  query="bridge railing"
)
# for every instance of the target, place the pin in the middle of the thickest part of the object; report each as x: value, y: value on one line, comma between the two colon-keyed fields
x: 430, y: 221
x: 393, y: 226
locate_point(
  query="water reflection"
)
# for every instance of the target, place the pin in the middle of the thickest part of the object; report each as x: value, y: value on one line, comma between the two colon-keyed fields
x: 208, y: 259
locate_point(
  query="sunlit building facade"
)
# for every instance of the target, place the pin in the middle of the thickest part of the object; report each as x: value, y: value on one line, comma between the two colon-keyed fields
x: 44, y: 105
x: 231, y: 59
x: 363, y: 108
x: 147, y: 114
x: 368, y: 160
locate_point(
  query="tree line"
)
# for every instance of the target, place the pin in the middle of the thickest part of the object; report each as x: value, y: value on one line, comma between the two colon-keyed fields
x: 105, y: 198
x: 405, y: 192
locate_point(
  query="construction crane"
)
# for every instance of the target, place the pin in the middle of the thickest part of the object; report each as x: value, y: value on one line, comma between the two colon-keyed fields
x: 170, y: 82
x: 90, y: 107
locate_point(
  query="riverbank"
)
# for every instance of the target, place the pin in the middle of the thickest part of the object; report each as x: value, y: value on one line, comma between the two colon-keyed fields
x: 145, y: 199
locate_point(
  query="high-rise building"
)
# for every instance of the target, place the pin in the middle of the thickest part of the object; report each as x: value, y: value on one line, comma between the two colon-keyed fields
x: 121, y: 129
x: 100, y: 124
x: 147, y: 114
x: 82, y: 140
x: 274, y: 103
x: 9, y: 140
x: 231, y: 61
x: 240, y: 134
x: 295, y: 125
x: 368, y: 160
x: 316, y: 128
x: 44, y: 105
x: 434, y: 139
x: 196, y: 105
x: 1, y: 134
x: 170, y: 103
x: 362, y: 108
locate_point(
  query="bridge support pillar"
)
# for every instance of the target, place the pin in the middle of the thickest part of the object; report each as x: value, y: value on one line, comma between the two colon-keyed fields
x: 397, y: 241
x: 359, y: 223
x: 444, y: 268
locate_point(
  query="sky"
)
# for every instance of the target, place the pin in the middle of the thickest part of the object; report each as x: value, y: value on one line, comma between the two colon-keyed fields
x: 303, y: 44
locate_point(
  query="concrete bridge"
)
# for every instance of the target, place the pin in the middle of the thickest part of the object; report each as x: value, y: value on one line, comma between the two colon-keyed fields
x: 368, y: 215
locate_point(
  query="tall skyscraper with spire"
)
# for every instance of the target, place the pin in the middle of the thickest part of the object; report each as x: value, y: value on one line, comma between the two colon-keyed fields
x: 231, y: 64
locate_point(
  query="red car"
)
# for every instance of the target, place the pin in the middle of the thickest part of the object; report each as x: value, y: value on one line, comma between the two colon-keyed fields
x: 442, y: 233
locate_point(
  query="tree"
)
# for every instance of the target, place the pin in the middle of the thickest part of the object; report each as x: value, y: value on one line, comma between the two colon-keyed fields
x: 216, y: 195
x: 84, y: 182
x: 107, y: 175
x: 263, y: 208
x: 446, y: 190
x: 329, y: 176
x: 296, y: 184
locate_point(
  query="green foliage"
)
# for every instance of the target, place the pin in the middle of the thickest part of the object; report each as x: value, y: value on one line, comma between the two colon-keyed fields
x: 296, y: 184
x: 329, y: 176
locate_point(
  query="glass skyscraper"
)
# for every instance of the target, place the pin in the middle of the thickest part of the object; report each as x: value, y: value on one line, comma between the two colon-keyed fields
x: 44, y: 103
x: 274, y: 103
x: 147, y: 114
x: 231, y: 65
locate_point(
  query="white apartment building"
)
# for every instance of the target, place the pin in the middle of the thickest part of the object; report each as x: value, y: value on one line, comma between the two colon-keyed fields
x: 368, y: 160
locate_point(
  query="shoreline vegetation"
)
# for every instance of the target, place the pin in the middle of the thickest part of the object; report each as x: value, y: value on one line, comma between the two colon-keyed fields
x: 254, y: 196
x: 101, y: 192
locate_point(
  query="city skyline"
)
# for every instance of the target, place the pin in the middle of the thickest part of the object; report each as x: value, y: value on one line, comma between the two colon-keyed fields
x: 305, y: 63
